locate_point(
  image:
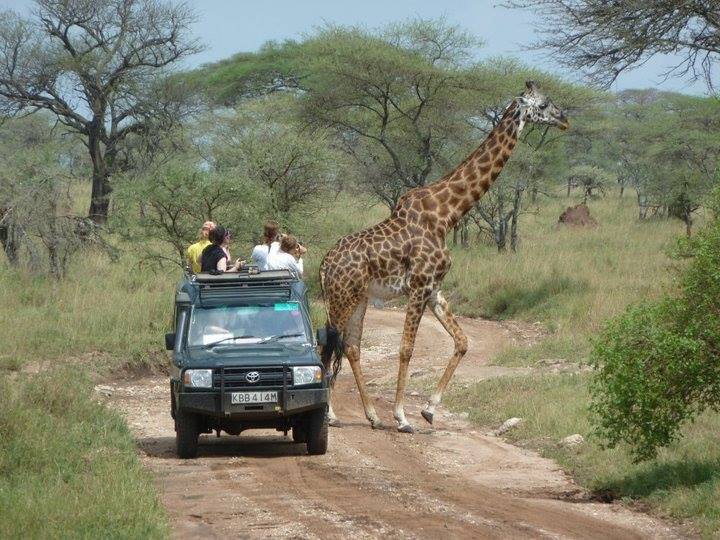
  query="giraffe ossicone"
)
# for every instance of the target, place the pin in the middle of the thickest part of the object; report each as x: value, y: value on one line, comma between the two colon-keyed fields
x: 406, y: 255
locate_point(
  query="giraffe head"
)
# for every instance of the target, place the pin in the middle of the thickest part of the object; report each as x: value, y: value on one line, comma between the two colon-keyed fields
x: 539, y: 109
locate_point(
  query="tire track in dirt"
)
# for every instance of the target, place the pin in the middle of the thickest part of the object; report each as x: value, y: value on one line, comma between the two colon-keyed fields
x: 448, y: 481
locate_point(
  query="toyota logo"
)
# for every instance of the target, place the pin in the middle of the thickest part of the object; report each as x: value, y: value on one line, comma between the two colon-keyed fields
x: 252, y: 377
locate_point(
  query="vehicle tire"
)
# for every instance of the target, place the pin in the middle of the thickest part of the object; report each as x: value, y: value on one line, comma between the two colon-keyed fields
x: 299, y: 432
x: 187, y: 432
x: 317, y: 433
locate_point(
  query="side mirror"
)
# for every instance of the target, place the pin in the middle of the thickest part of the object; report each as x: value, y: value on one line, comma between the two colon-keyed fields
x: 170, y: 341
x: 321, y: 335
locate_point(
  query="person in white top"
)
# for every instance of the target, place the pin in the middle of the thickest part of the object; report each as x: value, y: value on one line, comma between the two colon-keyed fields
x: 288, y: 257
x: 261, y: 252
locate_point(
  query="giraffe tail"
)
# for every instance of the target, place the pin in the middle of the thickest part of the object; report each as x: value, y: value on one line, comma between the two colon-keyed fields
x: 332, y: 352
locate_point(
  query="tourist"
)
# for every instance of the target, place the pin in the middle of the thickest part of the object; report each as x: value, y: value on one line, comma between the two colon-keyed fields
x: 289, y: 256
x: 214, y: 257
x: 194, y: 252
x: 270, y: 245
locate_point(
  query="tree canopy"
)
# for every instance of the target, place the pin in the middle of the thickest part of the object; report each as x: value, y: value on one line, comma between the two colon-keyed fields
x: 605, y: 38
x: 95, y: 65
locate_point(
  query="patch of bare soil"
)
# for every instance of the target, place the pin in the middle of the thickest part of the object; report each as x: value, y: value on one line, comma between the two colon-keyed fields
x: 444, y: 481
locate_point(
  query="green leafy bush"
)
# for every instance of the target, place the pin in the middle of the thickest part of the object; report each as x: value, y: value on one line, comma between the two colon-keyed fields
x: 658, y: 365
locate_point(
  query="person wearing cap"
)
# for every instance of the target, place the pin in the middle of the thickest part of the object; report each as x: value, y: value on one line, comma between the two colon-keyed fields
x: 194, y: 252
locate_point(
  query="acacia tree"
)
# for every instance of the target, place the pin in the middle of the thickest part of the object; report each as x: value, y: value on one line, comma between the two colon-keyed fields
x: 38, y: 168
x: 607, y: 38
x: 591, y: 179
x: 399, y: 99
x: 168, y: 202
x: 667, y: 148
x: 265, y: 143
x: 95, y: 65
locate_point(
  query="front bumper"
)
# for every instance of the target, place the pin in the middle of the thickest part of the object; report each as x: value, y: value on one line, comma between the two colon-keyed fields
x: 291, y: 401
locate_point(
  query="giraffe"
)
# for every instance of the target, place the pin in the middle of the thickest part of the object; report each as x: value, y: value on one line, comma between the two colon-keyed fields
x: 406, y: 255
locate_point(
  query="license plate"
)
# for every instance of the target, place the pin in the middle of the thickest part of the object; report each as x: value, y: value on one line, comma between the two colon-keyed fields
x: 243, y: 398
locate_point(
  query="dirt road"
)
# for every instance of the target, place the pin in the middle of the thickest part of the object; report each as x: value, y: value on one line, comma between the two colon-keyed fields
x: 448, y: 481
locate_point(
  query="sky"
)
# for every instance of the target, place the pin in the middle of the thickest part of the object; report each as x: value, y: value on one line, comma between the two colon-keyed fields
x: 227, y: 27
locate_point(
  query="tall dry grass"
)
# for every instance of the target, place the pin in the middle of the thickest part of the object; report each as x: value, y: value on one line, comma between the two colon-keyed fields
x: 570, y: 279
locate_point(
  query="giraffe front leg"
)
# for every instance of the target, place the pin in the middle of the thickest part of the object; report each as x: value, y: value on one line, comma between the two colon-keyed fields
x: 414, y: 313
x: 440, y: 308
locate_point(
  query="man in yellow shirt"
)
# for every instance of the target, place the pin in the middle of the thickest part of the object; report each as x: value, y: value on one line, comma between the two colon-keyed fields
x: 194, y: 252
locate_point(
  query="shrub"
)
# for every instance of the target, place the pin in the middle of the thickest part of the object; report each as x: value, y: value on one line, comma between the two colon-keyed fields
x: 657, y: 364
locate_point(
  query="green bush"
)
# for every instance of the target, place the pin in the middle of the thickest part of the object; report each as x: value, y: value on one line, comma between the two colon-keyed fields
x: 657, y: 365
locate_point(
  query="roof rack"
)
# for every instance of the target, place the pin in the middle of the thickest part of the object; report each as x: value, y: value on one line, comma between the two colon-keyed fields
x: 244, y: 286
x: 246, y: 275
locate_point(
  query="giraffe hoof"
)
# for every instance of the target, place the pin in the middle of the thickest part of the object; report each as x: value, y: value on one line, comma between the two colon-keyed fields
x: 333, y: 421
x: 377, y: 424
x: 427, y: 415
x: 406, y: 428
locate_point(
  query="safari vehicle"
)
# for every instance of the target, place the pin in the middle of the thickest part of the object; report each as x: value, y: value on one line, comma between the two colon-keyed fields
x: 244, y: 357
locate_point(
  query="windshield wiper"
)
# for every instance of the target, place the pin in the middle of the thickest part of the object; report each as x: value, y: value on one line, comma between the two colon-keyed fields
x: 230, y: 338
x: 281, y: 336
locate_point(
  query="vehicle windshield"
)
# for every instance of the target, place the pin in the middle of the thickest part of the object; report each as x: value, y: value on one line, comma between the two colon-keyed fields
x: 281, y: 322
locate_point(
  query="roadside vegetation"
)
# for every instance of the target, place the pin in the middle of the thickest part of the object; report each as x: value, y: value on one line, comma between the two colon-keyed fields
x: 682, y: 483
x: 68, y: 466
x: 324, y: 135
x: 650, y: 429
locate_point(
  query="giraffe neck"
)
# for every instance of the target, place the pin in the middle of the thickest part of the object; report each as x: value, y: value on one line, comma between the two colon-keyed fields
x: 474, y: 176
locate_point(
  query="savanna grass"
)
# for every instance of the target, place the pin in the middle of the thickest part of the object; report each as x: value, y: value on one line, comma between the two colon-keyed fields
x: 68, y: 467
x: 106, y: 307
x: 570, y: 279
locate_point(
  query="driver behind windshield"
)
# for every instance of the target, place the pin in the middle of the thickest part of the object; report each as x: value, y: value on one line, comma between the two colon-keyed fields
x: 228, y: 323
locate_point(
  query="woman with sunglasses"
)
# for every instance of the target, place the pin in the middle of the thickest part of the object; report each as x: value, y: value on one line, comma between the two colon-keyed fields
x: 215, y: 257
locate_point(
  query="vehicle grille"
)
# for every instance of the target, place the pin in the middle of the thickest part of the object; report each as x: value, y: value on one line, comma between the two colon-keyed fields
x: 269, y: 377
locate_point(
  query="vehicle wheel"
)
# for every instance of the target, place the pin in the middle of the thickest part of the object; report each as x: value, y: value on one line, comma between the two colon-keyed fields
x: 317, y: 433
x: 299, y: 433
x: 186, y: 434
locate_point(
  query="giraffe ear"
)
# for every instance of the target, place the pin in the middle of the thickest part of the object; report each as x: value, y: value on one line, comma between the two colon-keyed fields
x: 531, y: 86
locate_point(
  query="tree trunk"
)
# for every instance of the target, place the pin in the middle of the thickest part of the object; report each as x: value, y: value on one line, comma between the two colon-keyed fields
x: 514, y: 220
x: 568, y: 188
x: 455, y: 235
x: 100, y: 196
x: 10, y: 240
x: 54, y: 258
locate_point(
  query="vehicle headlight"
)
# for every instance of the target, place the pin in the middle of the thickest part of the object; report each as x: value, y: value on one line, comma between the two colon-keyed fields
x: 198, y: 378
x: 307, y: 375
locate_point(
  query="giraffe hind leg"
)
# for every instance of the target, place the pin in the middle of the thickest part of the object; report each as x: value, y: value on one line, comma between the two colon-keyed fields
x: 340, y: 312
x: 352, y: 338
x: 441, y: 310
